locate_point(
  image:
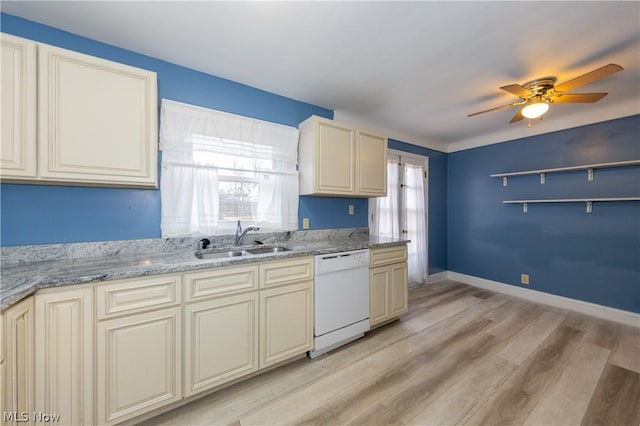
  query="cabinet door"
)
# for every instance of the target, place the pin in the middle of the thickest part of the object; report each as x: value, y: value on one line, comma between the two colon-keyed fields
x: 399, y: 289
x: 335, y: 159
x: 221, y: 341
x: 64, y: 361
x: 379, y: 285
x: 18, y: 383
x: 96, y: 120
x: 286, y: 322
x: 371, y: 164
x: 138, y: 364
x: 18, y: 95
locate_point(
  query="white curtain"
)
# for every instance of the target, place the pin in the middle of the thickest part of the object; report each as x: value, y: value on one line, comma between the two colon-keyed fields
x: 200, y: 146
x: 385, y: 209
x: 278, y: 202
x: 414, y: 208
x: 189, y: 201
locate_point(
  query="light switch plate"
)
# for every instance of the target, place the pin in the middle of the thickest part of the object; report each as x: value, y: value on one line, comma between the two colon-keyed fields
x: 351, y: 209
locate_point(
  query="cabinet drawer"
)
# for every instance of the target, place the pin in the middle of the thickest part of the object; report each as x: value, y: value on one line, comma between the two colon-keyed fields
x: 137, y: 295
x: 220, y: 281
x: 286, y: 272
x: 388, y: 255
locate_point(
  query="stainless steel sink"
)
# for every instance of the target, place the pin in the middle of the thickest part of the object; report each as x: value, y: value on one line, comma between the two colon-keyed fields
x: 263, y: 250
x: 220, y: 255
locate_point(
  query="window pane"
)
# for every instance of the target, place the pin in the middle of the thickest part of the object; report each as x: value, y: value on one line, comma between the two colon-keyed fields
x: 238, y: 201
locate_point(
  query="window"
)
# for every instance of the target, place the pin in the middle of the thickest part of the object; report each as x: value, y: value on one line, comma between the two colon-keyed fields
x: 218, y: 168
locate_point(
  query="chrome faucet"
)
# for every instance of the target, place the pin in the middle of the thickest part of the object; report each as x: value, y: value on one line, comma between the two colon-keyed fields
x: 240, y: 233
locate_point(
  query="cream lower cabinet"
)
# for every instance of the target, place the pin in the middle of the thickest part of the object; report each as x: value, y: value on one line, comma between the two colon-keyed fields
x: 221, y: 341
x: 18, y: 384
x: 286, y: 322
x: 64, y: 358
x: 388, y: 284
x: 139, y: 365
x: 138, y: 346
x: 111, y: 352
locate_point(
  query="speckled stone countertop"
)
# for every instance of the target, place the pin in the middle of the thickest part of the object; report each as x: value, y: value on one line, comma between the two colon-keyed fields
x: 21, y: 278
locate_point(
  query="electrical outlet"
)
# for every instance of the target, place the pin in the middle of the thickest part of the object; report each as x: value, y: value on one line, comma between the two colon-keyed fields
x: 524, y: 279
x: 305, y: 223
x: 351, y: 209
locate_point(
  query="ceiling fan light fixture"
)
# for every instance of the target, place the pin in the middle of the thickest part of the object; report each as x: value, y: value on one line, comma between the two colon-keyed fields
x: 535, y: 109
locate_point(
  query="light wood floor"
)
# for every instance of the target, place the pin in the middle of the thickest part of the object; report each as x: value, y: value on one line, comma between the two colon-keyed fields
x: 461, y: 355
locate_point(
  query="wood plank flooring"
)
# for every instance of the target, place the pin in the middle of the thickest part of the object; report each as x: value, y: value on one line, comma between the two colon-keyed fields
x: 461, y: 355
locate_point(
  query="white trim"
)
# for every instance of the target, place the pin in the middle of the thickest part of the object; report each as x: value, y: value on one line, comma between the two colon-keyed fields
x: 436, y: 278
x: 611, y: 314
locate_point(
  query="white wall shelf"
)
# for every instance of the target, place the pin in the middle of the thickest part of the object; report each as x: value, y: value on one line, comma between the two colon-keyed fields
x: 588, y: 167
x: 589, y: 201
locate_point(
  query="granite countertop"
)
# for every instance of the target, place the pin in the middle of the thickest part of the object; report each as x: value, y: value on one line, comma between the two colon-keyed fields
x: 19, y: 280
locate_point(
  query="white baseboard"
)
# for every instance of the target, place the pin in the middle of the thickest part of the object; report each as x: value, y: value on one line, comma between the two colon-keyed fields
x: 436, y: 278
x: 611, y: 314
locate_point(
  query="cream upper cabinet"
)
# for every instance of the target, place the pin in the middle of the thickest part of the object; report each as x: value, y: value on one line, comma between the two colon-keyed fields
x: 74, y: 119
x: 339, y: 160
x: 18, y: 95
x: 97, y: 120
x: 388, y: 284
x: 371, y: 160
x: 18, y: 384
x: 327, y: 158
x: 64, y: 359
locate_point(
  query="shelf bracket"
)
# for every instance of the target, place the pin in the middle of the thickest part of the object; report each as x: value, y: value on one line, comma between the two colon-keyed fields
x: 590, y: 175
x: 504, y: 181
x: 542, y: 178
x: 525, y: 207
x: 589, y: 206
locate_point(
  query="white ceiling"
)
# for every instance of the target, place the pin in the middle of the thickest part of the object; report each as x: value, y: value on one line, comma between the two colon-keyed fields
x: 412, y: 70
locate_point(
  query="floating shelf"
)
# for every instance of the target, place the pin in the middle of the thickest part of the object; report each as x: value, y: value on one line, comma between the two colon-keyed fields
x: 589, y: 201
x: 588, y: 167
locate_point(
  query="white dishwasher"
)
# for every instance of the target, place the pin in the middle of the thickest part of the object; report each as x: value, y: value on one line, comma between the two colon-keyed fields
x: 341, y: 295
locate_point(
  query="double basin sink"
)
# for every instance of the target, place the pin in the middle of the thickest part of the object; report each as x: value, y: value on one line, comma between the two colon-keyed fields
x: 237, y: 253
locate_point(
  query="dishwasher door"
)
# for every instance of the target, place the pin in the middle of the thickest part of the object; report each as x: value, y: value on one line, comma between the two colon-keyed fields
x: 341, y: 291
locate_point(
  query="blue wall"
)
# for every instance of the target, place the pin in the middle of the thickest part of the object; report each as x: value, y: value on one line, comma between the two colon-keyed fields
x: 437, y: 203
x: 592, y: 257
x: 37, y: 214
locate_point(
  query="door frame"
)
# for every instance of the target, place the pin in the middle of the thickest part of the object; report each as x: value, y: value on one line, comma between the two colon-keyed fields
x: 416, y: 158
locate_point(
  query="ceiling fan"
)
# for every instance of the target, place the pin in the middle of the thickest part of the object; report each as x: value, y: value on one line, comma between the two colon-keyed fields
x: 536, y: 95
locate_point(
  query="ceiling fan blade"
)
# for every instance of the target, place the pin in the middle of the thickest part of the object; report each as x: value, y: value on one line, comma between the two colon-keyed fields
x: 496, y: 108
x: 517, y: 117
x: 589, y: 77
x: 585, y: 98
x: 516, y: 89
